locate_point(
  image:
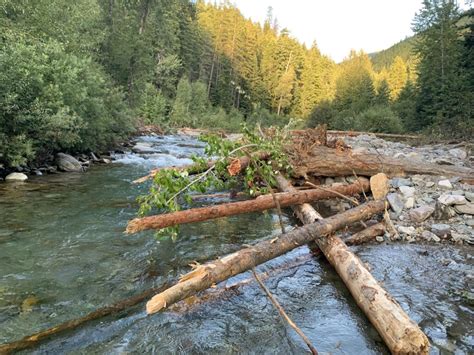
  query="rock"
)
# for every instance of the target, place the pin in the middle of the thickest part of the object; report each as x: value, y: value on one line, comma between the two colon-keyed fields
x: 449, y: 199
x: 430, y: 236
x: 407, y: 191
x: 441, y: 230
x: 52, y: 169
x: 379, y: 186
x: 467, y: 208
x: 406, y: 230
x: 329, y: 181
x: 16, y: 177
x: 104, y: 161
x: 429, y: 184
x: 395, y: 202
x: 397, y: 182
x: 421, y: 213
x: 28, y: 304
x: 443, y: 162
x: 340, y: 179
x: 469, y: 195
x: 351, y: 179
x: 470, y: 222
x: 379, y: 239
x: 38, y: 172
x: 445, y: 184
x: 410, y: 203
x: 458, y: 153
x: 67, y: 163
x: 443, y: 212
x: 143, y: 148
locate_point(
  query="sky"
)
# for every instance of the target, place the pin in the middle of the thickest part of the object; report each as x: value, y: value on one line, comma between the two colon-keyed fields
x: 338, y: 26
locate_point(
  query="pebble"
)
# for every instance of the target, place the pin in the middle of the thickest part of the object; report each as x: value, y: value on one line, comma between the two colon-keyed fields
x: 450, y: 200
x: 445, y: 183
x: 410, y: 203
x: 395, y: 202
x: 407, y: 191
x: 421, y: 213
x: 379, y: 239
x: 430, y: 184
x: 467, y: 208
x: 406, y: 230
x: 441, y: 230
x: 397, y: 182
x: 469, y: 196
x: 430, y: 236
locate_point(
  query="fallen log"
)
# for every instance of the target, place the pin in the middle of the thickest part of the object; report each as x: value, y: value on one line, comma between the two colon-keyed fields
x: 399, y: 332
x: 261, y: 203
x: 192, y: 169
x: 34, y: 339
x: 380, y: 135
x: 366, y: 234
x: 325, y: 161
x: 204, y: 276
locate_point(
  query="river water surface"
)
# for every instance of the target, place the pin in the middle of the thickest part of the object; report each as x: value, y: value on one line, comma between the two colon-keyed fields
x: 63, y: 254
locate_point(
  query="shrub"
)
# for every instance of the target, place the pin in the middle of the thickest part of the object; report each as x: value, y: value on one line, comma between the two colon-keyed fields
x: 378, y: 119
x: 52, y: 100
x: 154, y: 106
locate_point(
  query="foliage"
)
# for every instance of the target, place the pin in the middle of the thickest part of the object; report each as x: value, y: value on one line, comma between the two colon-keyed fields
x: 378, y: 119
x: 154, y: 107
x: 171, y: 187
x: 52, y: 100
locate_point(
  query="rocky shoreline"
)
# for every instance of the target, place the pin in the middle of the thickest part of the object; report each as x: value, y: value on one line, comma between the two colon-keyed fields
x: 424, y: 208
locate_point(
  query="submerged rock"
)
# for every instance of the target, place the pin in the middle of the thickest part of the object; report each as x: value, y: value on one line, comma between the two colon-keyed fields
x: 68, y: 163
x: 16, y: 177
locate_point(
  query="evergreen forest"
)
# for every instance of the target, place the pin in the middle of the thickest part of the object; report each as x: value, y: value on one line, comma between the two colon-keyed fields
x: 81, y: 75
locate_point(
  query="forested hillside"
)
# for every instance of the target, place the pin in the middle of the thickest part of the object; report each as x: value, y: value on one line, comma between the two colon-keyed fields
x: 78, y: 76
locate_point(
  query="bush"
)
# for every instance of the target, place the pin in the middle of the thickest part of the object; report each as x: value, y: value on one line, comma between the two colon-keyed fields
x: 52, y: 101
x: 378, y: 119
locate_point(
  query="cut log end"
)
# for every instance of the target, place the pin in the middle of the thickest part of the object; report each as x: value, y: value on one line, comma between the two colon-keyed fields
x: 156, y: 304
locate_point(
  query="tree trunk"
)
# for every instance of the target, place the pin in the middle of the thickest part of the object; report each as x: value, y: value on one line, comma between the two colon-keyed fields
x: 325, y: 161
x: 261, y: 203
x: 399, y: 332
x: 204, y: 276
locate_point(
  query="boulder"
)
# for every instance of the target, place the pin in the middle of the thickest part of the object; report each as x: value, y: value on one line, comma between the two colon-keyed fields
x: 421, y: 213
x: 68, y: 163
x: 379, y: 185
x: 16, y: 177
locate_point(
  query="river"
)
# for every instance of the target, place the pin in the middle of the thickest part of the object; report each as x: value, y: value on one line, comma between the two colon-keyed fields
x: 63, y: 254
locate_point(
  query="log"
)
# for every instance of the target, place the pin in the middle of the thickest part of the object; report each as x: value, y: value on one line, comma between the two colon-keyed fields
x: 380, y: 135
x: 399, y: 332
x: 325, y: 161
x: 261, y: 203
x: 204, y: 276
x: 35, y: 339
x: 366, y: 234
x: 192, y: 169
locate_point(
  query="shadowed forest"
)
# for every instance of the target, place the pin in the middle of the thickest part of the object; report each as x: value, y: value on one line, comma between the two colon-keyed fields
x: 79, y: 76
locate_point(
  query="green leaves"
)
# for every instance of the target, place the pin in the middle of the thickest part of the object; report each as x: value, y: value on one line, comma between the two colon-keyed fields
x: 170, y: 188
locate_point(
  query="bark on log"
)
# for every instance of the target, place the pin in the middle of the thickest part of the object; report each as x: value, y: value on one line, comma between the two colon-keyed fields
x: 366, y: 234
x: 324, y: 161
x: 399, y: 332
x: 261, y: 203
x: 204, y: 276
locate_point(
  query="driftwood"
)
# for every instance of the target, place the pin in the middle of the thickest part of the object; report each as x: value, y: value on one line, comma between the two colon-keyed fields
x: 34, y: 339
x: 283, y: 314
x: 204, y: 276
x: 380, y: 135
x: 325, y: 161
x: 399, y: 332
x: 261, y: 203
x: 366, y: 234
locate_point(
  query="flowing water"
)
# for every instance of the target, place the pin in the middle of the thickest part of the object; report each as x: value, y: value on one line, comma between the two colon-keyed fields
x: 63, y: 254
